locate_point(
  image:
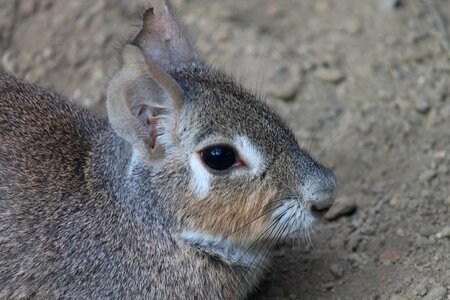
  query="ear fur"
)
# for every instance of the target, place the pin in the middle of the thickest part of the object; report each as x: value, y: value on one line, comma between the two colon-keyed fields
x: 139, y: 96
x: 163, y: 39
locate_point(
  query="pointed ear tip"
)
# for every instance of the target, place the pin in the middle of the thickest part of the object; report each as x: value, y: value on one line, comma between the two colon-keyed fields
x: 149, y: 12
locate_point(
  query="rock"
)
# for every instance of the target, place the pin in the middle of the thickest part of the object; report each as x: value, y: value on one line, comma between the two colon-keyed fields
x: 437, y: 293
x: 422, y: 106
x: 447, y: 201
x: 353, y: 242
x: 421, y: 290
x: 337, y: 270
x: 368, y: 230
x: 342, y: 206
x: 286, y: 91
x: 357, y: 259
x: 427, y: 175
x: 389, y: 256
x: 329, y: 75
x: 285, y: 82
x: 385, y: 96
x: 427, y: 230
x: 387, y: 5
x: 27, y: 8
x: 351, y: 26
x: 445, y: 112
x: 397, y: 297
x: 444, y: 233
x: 400, y: 232
x: 8, y: 62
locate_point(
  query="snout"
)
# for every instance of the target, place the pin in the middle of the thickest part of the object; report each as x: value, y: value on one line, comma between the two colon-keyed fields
x: 320, y: 207
x: 319, y: 191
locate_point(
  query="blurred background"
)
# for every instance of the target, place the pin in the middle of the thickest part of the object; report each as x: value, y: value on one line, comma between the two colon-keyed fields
x: 364, y: 85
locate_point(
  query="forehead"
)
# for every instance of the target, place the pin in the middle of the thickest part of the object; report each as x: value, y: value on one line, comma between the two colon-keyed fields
x: 219, y: 106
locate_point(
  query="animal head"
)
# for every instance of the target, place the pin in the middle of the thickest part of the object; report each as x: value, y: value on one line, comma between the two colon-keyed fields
x: 225, y: 164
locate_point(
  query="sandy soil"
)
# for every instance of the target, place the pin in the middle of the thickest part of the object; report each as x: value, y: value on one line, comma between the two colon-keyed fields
x: 364, y: 86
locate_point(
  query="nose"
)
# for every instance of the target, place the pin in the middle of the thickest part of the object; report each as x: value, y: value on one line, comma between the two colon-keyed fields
x: 319, y: 191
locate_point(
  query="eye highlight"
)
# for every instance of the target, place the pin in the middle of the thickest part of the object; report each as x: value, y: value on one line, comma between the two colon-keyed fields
x: 219, y: 157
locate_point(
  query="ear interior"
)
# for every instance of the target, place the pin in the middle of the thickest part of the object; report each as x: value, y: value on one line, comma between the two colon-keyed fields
x: 140, y: 96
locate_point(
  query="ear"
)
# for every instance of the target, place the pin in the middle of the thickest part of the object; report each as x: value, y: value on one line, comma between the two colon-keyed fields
x: 163, y: 39
x: 142, y: 101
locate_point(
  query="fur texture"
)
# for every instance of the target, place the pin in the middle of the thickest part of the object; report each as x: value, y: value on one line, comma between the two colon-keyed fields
x: 125, y: 207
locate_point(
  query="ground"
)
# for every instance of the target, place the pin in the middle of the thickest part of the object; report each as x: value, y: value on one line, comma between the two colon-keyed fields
x: 365, y: 87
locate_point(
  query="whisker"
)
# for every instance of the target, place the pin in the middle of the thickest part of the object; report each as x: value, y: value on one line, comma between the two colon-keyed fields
x: 270, y: 228
x: 255, y: 219
x: 279, y: 233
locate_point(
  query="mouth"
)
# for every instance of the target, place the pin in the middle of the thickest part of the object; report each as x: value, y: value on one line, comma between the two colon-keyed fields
x: 319, y: 212
x: 319, y: 208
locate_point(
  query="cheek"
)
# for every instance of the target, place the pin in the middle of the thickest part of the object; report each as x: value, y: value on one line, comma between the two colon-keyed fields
x: 233, y: 213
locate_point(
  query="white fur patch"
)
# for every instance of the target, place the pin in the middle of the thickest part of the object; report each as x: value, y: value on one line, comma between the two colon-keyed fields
x: 249, y: 153
x: 201, y: 178
x: 290, y: 217
x: 222, y: 249
x: 134, y: 159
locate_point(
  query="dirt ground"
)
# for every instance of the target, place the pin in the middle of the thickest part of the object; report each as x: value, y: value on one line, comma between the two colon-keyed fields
x: 364, y: 84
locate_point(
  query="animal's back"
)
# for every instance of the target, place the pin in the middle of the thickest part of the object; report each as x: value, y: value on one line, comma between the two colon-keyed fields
x: 44, y: 143
x: 63, y: 233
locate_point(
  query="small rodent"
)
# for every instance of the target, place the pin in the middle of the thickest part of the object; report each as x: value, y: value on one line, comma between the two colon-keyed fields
x: 180, y: 194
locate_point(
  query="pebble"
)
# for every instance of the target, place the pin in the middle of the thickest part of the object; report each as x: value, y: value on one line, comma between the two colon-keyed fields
x: 385, y: 96
x: 284, y: 82
x: 444, y: 233
x: 397, y: 297
x: 357, y: 259
x: 437, y: 293
x: 27, y: 8
x: 353, y: 242
x: 389, y: 256
x: 447, y: 200
x: 422, y: 106
x: 8, y: 63
x: 351, y: 26
x: 400, y: 232
x: 386, y: 5
x: 342, y: 206
x: 427, y: 230
x: 330, y: 75
x: 421, y: 290
x: 337, y: 270
x: 427, y: 175
x: 445, y: 111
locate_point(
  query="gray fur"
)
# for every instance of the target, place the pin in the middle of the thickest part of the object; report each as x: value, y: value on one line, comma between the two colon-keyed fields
x: 85, y: 213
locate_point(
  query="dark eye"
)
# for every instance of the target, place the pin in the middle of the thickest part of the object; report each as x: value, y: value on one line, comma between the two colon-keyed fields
x: 219, y: 157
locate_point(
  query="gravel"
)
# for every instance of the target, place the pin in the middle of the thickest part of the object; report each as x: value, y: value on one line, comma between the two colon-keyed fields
x: 436, y: 293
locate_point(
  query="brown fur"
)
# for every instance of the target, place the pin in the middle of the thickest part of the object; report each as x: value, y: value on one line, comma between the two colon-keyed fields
x: 241, y: 215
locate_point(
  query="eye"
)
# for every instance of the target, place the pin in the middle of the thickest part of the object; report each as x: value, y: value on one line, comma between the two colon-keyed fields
x: 219, y: 157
